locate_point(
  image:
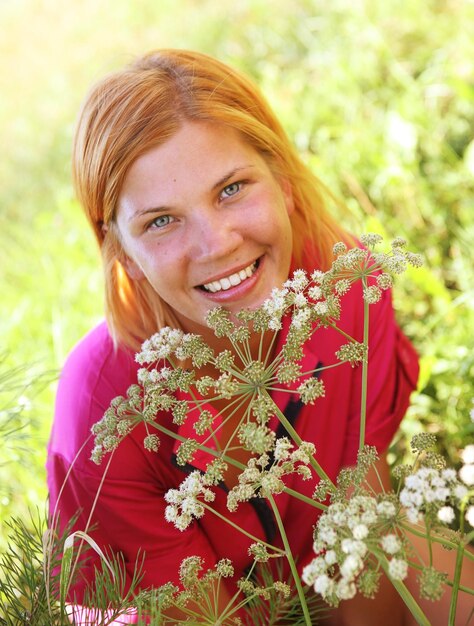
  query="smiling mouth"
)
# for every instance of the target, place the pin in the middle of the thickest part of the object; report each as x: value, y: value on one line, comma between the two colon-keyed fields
x: 223, y: 284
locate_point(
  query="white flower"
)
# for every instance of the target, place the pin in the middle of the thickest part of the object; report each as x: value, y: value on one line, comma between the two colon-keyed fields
x: 390, y: 544
x: 398, y: 569
x: 470, y: 515
x: 449, y: 474
x: 446, y: 514
x: 186, y: 499
x: 466, y: 474
x: 316, y: 568
x: 360, y: 531
x: 385, y: 508
x: 467, y: 454
x: 323, y: 584
x: 414, y: 515
x: 351, y: 566
x: 328, y: 535
x: 345, y: 589
x: 460, y: 491
x: 330, y: 557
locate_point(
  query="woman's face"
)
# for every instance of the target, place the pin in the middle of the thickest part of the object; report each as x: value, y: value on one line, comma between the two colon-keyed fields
x: 205, y: 221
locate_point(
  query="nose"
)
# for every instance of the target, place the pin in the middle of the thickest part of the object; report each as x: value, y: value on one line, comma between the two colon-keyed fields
x: 214, y: 235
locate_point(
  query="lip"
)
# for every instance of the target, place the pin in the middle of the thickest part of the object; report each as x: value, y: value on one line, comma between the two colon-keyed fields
x: 239, y: 291
x: 228, y: 273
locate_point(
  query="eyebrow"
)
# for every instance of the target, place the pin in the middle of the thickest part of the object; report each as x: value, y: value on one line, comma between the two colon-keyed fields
x: 222, y: 181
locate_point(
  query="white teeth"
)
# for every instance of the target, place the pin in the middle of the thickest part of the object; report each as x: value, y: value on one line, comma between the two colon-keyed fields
x: 230, y: 281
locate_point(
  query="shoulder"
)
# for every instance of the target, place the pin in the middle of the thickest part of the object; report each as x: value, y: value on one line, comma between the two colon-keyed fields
x: 94, y: 373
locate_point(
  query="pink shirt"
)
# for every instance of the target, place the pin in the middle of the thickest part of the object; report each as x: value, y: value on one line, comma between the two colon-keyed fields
x: 129, y: 512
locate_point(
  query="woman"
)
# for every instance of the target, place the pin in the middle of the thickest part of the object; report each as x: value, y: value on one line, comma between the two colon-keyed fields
x: 197, y: 199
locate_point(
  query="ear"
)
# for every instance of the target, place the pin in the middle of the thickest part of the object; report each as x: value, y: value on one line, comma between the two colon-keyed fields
x: 288, y: 194
x: 134, y: 271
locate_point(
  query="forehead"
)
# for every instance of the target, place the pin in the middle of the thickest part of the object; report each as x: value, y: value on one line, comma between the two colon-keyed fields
x: 199, y: 153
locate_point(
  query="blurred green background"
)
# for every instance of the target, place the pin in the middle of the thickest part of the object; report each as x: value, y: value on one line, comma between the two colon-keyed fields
x: 377, y: 95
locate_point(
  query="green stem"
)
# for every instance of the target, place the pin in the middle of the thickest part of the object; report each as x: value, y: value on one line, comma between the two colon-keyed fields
x: 436, y: 539
x: 244, y: 532
x: 365, y: 367
x: 303, y: 498
x: 406, y: 596
x: 297, y: 439
x: 291, y: 561
x: 457, y: 570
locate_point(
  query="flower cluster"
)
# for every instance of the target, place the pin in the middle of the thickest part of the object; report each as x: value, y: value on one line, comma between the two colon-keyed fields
x: 184, y: 504
x: 262, y: 477
x: 346, y: 536
x: 433, y: 493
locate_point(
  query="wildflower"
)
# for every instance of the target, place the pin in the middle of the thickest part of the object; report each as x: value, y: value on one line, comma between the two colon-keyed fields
x: 151, y: 443
x: 398, y: 569
x: 342, y: 286
x: 339, y: 248
x: 225, y: 568
x: 345, y: 589
x: 323, y: 584
x: 371, y: 239
x: 259, y: 552
x: 351, y: 566
x: 390, y: 544
x: 204, y: 422
x: 360, y: 531
x: 427, y: 491
x: 467, y: 454
x: 470, y: 515
x: 422, y: 441
x: 386, y: 509
x: 255, y: 437
x: 431, y: 583
x: 282, y: 588
x: 384, y: 281
x: 368, y: 582
x: 183, y: 503
x: 466, y: 474
x: 416, y: 260
x: 189, y: 570
x: 179, y: 411
x: 372, y: 294
x: 399, y: 242
x: 353, y: 352
x: 310, y: 390
x: 298, y: 281
x: 282, y: 449
x: 186, y: 451
x: 330, y: 557
x: 215, y: 472
x: 218, y: 319
x: 226, y: 386
x: 446, y: 514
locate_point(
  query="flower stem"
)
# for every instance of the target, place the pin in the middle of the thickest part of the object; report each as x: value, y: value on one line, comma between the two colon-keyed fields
x: 457, y: 571
x: 291, y: 561
x: 406, y: 596
x: 303, y: 498
x: 297, y: 439
x: 365, y: 367
x: 241, y: 530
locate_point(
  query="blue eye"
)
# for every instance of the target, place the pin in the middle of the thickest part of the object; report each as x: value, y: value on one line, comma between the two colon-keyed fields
x: 231, y: 190
x: 161, y: 221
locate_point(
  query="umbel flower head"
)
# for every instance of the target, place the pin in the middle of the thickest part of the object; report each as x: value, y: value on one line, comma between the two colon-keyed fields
x: 346, y: 536
x: 184, y: 504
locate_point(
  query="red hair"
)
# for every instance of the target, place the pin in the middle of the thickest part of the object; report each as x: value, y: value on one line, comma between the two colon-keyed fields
x: 139, y: 108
